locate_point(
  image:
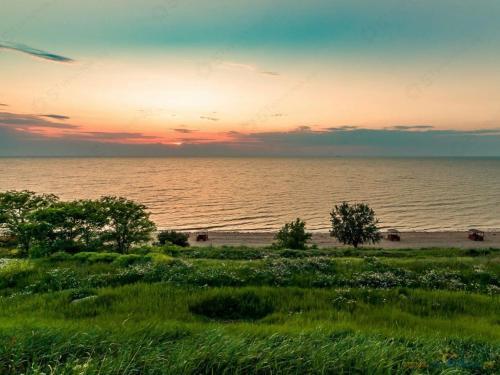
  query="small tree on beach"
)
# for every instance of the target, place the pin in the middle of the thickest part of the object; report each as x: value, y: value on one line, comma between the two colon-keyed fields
x: 17, y: 210
x: 354, y: 224
x: 293, y: 235
x: 173, y: 237
x: 127, y: 223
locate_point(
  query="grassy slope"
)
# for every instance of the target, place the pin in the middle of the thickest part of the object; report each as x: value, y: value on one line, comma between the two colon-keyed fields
x: 331, y: 312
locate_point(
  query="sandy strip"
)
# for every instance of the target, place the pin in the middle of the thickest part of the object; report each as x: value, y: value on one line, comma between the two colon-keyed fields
x: 409, y: 240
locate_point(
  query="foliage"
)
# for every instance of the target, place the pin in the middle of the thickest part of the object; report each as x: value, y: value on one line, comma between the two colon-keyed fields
x: 91, y: 257
x: 293, y: 235
x: 128, y: 222
x: 354, y: 224
x: 13, y: 270
x: 69, y: 226
x: 42, y: 225
x: 232, y: 306
x: 172, y: 237
x: 16, y: 214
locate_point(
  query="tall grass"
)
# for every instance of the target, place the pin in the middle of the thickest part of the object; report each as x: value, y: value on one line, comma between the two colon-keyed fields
x: 247, y: 312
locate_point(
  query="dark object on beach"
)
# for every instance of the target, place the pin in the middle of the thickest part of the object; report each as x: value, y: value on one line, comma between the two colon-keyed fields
x: 476, y: 235
x: 393, y: 235
x: 203, y: 236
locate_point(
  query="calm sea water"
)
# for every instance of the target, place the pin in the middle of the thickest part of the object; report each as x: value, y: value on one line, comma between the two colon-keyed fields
x: 261, y: 194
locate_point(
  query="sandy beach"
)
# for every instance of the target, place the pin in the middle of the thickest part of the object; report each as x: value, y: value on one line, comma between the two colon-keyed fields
x: 409, y: 240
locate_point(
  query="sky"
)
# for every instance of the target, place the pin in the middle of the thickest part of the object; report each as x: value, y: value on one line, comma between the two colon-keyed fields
x: 249, y: 78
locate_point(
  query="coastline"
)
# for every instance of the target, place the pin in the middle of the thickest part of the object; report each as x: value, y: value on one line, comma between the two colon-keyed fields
x: 409, y: 240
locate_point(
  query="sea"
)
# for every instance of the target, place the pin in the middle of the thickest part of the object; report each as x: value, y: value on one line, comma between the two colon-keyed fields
x: 261, y: 194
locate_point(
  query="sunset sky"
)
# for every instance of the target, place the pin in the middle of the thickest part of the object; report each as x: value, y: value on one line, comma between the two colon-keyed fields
x: 237, y: 77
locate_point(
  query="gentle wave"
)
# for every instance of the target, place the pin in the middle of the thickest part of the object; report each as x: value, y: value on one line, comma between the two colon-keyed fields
x: 259, y: 194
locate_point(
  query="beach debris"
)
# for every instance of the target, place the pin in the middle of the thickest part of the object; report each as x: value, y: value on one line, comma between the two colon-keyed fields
x: 393, y: 235
x: 476, y: 235
x: 202, y: 236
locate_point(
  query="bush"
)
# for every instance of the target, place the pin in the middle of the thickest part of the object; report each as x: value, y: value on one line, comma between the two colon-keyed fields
x: 293, y: 235
x: 88, y: 257
x: 166, y: 237
x: 55, y: 280
x: 60, y: 256
x: 232, y: 306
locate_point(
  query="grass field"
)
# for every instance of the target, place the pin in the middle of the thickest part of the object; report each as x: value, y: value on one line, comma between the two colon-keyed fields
x: 251, y: 311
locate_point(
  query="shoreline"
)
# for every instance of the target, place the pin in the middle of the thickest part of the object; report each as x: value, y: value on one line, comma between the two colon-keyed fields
x: 409, y: 240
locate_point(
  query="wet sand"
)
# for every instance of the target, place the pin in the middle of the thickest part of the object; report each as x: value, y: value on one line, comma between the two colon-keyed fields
x: 409, y: 240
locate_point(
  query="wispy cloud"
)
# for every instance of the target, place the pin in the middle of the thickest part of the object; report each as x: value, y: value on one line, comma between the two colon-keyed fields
x: 209, y: 118
x: 247, y: 67
x: 111, y: 136
x: 31, y: 121
x: 56, y: 117
x: 184, y: 131
x: 342, y: 128
x: 35, y: 52
x: 411, y: 127
x: 269, y: 73
x: 3, y: 105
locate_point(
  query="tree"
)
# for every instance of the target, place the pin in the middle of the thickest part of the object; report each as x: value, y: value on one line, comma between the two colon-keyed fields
x: 70, y: 226
x: 293, y: 235
x: 16, y: 214
x: 354, y: 224
x: 127, y: 222
x: 173, y: 237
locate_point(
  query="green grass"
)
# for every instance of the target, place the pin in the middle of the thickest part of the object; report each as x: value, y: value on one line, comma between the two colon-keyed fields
x: 251, y: 311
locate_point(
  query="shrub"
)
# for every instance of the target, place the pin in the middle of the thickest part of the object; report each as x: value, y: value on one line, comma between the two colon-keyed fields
x: 293, y: 235
x: 39, y: 251
x: 55, y: 280
x: 292, y: 254
x: 88, y: 257
x: 354, y: 224
x: 166, y: 237
x: 232, y: 306
x: 144, y: 250
x: 60, y: 256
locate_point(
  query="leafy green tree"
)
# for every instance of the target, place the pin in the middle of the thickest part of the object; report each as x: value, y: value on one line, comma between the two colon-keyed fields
x: 293, y: 235
x: 70, y: 226
x: 354, y: 224
x: 173, y: 237
x: 16, y: 214
x: 127, y: 222
x: 93, y: 223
